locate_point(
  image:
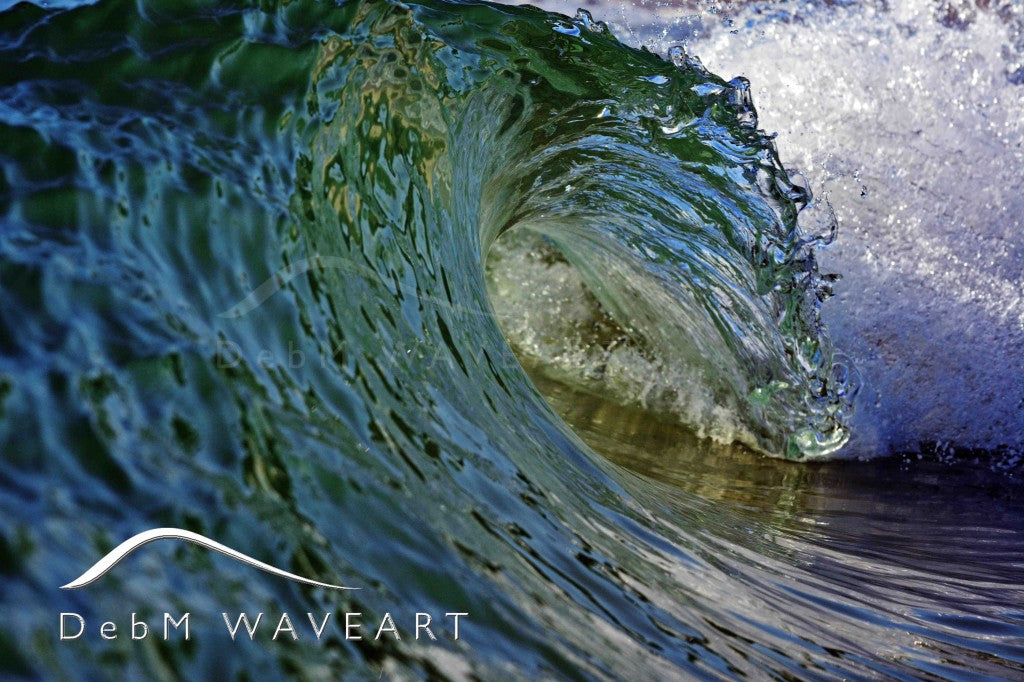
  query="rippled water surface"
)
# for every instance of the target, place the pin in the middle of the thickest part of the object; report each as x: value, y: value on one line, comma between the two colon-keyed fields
x: 477, y: 309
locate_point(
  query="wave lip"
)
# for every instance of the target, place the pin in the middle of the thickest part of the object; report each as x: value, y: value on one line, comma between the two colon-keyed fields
x: 119, y: 553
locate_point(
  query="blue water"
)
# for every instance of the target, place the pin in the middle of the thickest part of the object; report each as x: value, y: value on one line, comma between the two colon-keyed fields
x: 472, y: 308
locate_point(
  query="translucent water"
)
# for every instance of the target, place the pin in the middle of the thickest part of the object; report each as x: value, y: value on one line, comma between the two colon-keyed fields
x: 245, y: 292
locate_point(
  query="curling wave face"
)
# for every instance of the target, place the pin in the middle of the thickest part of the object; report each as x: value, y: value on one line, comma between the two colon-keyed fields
x: 650, y: 177
x: 243, y: 295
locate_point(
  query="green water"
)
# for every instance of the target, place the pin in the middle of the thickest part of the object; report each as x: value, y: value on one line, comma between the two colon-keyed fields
x: 242, y: 293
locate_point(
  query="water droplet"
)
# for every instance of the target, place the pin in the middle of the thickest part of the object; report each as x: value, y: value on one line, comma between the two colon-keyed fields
x: 586, y: 20
x: 677, y: 55
x: 743, y: 102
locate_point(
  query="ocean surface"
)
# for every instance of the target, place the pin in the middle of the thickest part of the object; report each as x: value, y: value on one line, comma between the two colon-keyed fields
x: 685, y: 345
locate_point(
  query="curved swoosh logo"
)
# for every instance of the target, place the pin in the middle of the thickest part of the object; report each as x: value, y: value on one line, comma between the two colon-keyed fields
x: 114, y: 557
